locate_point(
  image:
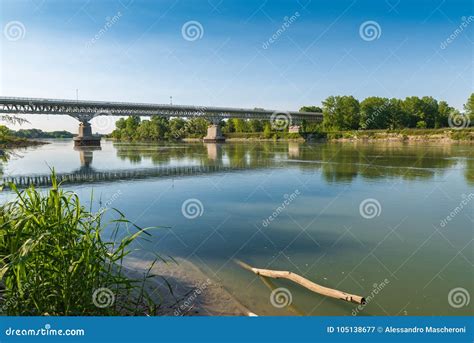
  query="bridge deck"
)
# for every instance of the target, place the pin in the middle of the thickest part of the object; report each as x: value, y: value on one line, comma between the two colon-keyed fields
x: 90, y: 109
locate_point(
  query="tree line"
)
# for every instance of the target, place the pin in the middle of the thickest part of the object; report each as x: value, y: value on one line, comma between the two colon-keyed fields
x: 347, y: 113
x: 339, y: 113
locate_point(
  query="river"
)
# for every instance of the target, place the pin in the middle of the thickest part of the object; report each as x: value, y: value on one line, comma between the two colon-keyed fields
x: 389, y: 221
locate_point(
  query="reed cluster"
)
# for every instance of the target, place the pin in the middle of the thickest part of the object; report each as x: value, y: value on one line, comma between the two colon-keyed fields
x: 54, y: 260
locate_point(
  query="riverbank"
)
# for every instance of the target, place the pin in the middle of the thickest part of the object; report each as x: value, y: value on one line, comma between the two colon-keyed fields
x: 15, y: 142
x: 406, y: 135
x: 182, y: 289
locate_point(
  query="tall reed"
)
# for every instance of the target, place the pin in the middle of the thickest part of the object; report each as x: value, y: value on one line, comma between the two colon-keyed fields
x: 54, y: 260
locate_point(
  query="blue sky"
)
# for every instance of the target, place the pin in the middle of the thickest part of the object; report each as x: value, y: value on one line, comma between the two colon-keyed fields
x: 142, y: 56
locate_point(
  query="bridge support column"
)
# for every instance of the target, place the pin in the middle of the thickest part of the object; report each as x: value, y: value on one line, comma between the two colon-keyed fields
x: 294, y: 129
x: 85, y: 137
x: 214, y: 134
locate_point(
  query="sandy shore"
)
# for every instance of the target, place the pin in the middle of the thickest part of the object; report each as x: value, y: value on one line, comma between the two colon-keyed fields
x: 187, y: 291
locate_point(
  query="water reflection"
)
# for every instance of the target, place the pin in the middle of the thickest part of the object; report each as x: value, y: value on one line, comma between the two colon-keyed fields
x: 86, y: 155
x: 337, y: 162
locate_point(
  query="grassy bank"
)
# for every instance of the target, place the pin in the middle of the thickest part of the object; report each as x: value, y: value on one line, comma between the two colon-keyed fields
x: 466, y: 135
x: 54, y: 261
x: 444, y: 134
x: 10, y: 142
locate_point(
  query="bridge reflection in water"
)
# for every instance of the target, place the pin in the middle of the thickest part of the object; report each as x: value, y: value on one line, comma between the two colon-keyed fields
x: 334, y: 163
x: 87, y: 174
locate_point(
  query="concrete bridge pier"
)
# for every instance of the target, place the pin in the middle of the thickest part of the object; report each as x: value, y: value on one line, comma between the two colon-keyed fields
x: 294, y: 128
x: 214, y: 133
x: 85, y: 136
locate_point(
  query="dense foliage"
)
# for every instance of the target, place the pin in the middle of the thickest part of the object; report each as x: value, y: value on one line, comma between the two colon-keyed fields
x: 37, y: 133
x: 340, y: 113
x: 160, y: 128
x: 347, y: 113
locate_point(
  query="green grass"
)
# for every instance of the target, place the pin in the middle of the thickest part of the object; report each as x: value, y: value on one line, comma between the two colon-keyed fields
x: 53, y: 258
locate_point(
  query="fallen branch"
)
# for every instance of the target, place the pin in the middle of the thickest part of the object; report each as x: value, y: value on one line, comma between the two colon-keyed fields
x: 279, y: 274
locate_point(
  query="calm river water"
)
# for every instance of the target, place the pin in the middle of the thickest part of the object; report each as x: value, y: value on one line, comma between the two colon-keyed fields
x: 389, y: 221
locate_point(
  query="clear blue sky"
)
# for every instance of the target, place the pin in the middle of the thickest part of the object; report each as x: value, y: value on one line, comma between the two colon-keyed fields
x: 143, y: 56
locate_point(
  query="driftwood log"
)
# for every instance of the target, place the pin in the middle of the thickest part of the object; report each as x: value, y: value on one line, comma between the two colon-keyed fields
x: 280, y: 274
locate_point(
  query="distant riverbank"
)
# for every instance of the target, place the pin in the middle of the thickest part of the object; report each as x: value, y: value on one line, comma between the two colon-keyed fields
x: 404, y: 135
x: 443, y: 135
x: 15, y: 142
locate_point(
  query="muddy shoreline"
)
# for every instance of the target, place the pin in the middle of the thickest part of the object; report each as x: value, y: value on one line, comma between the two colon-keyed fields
x: 183, y: 289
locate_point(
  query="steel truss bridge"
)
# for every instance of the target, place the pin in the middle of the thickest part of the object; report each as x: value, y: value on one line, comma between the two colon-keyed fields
x: 84, y: 111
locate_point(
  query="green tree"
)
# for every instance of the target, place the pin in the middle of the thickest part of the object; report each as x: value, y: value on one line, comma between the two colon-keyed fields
x: 177, y: 128
x: 267, y: 130
x: 444, y: 110
x: 240, y: 125
x: 341, y: 113
x: 255, y: 125
x: 4, y: 131
x: 421, y: 110
x: 469, y: 108
x: 311, y: 109
x: 159, y: 127
x: 374, y: 113
x: 196, y: 127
